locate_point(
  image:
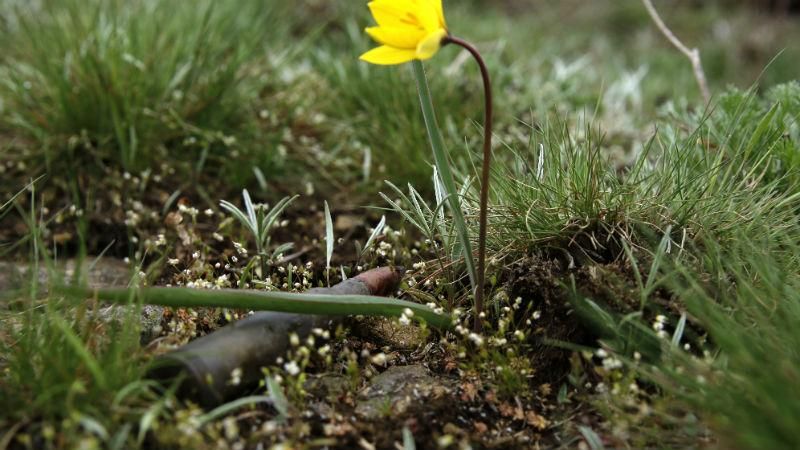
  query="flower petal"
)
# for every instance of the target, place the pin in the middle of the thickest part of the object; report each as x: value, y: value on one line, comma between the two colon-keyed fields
x: 386, y: 55
x: 393, y: 14
x: 440, y: 12
x: 398, y: 37
x: 427, y: 15
x: 431, y: 44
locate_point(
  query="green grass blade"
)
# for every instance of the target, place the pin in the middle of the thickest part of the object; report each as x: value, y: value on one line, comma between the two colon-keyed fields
x: 251, y: 210
x: 227, y: 408
x: 240, y: 216
x: 408, y: 440
x: 278, y: 399
x: 328, y: 236
x: 338, y: 305
x: 375, y: 233
x: 80, y: 349
x: 442, y: 164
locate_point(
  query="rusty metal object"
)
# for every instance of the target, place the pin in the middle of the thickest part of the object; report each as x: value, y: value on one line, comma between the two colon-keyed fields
x: 227, y: 363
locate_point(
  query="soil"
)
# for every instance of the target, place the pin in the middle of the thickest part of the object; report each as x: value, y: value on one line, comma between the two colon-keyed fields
x: 423, y: 384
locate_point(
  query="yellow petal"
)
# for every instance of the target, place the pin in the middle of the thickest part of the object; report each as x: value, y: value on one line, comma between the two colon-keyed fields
x: 393, y: 14
x: 427, y: 15
x: 385, y: 55
x: 440, y: 12
x: 399, y: 37
x: 420, y: 13
x: 431, y: 44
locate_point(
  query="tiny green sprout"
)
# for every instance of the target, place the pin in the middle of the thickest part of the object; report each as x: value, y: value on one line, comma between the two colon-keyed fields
x: 260, y: 222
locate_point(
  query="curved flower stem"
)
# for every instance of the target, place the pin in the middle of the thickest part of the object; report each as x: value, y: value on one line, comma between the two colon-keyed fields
x: 487, y: 159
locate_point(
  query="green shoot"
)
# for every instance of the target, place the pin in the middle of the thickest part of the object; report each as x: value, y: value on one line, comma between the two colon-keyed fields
x: 259, y: 222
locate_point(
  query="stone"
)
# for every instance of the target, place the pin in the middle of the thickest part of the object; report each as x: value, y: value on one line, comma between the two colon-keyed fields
x: 400, y: 390
x: 99, y: 272
x: 389, y: 332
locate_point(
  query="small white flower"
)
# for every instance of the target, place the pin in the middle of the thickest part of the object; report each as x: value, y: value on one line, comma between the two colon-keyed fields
x: 379, y: 359
x: 236, y: 376
x: 498, y: 342
x: 291, y: 368
x: 240, y: 249
x: 476, y: 338
x: 612, y: 363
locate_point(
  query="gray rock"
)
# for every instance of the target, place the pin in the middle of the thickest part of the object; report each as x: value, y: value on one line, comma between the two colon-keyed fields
x: 400, y: 390
x: 102, y: 272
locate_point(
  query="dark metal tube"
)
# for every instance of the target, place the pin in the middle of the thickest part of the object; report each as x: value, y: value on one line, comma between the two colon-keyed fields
x: 204, y: 367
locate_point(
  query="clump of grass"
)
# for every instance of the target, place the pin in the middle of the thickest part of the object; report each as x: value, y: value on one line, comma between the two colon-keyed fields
x: 754, y: 127
x: 132, y: 84
x: 561, y: 193
x: 723, y: 215
x: 750, y: 307
x: 70, y: 376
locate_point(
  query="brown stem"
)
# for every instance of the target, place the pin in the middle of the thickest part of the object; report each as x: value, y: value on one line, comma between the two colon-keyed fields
x: 487, y: 158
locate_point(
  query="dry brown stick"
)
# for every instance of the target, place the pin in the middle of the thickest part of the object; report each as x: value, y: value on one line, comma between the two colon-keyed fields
x: 693, y: 54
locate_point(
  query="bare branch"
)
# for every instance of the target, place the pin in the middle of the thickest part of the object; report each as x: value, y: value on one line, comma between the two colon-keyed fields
x: 693, y: 54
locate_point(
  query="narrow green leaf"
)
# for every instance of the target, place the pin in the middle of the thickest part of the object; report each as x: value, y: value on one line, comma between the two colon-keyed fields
x: 678, y: 335
x: 239, y: 215
x: 375, y: 233
x: 278, y: 398
x: 591, y: 438
x: 408, y: 440
x: 251, y: 210
x: 333, y: 305
x: 227, y: 408
x: 92, y: 426
x: 328, y: 236
x: 80, y: 349
x: 147, y: 420
x: 443, y: 165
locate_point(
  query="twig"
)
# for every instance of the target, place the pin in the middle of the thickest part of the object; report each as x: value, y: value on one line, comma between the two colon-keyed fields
x: 693, y: 54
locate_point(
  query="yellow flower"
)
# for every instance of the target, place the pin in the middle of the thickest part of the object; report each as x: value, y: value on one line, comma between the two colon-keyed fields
x: 407, y: 30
